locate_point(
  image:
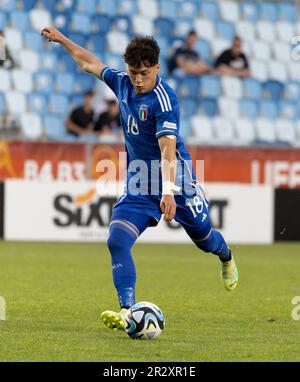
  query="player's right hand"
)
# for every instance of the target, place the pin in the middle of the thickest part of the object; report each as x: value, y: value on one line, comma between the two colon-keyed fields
x: 168, y: 207
x: 52, y: 34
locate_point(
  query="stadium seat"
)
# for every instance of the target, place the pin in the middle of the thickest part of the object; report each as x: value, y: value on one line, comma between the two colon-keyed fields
x: 282, y: 52
x: 265, y: 130
x: 188, y: 86
x: 250, y: 11
x: 55, y: 127
x: 61, y: 21
x: 84, y: 82
x: 33, y: 41
x: 288, y: 12
x: 268, y: 109
x: 50, y: 5
x: 31, y: 125
x: 229, y: 11
x: 246, y: 30
x: 101, y: 23
x: 208, y: 107
x: 266, y: 31
x: 8, y: 5
x: 228, y: 108
x: 185, y: 127
x: 22, y: 80
x: 67, y: 63
x: 126, y: 8
x: 277, y: 71
x: 202, y: 129
x: 65, y: 83
x: 97, y: 43
x: 252, y: 88
x: 261, y: 50
x: 289, y: 110
x: 218, y: 45
x: 79, y: 38
x: 3, y: 20
x: 225, y: 30
x: 107, y: 7
x: 87, y: 6
x: 29, y: 60
x: 123, y: 24
x: 294, y: 70
x: 232, y: 87
x: 16, y: 102
x: 205, y: 29
x: 187, y: 107
x: 285, y: 31
x: 14, y: 39
x: 244, y: 131
x: 273, y: 90
x: 203, y: 47
x: 76, y: 100
x: 37, y: 103
x: 182, y: 27
x: 223, y: 130
x: 2, y: 103
x: 142, y: 26
x: 285, y: 131
x: 115, y: 61
x: 188, y: 9
x: 39, y: 18
x: 148, y: 8
x: 43, y: 80
x: 81, y: 23
x: 268, y: 12
x: 58, y: 104
x: 5, y: 80
x: 164, y: 26
x: 28, y: 5
x: 210, y: 11
x: 292, y: 91
x: 48, y: 60
x: 248, y: 108
x: 19, y: 20
x: 164, y: 44
x: 210, y: 86
x: 117, y: 42
x: 168, y: 8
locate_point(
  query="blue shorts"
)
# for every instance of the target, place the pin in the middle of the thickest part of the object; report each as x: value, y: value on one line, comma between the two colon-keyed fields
x: 144, y: 211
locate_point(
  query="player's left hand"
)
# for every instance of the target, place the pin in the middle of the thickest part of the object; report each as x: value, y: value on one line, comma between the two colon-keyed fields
x: 168, y: 207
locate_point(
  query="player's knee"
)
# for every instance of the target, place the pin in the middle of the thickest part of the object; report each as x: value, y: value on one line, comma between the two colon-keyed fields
x: 113, y: 242
x: 208, y: 244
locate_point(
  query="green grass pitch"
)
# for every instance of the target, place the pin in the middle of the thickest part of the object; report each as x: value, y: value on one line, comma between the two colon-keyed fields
x: 56, y: 292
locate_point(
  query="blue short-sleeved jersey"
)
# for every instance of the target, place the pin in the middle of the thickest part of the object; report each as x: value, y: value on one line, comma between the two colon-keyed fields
x: 145, y: 118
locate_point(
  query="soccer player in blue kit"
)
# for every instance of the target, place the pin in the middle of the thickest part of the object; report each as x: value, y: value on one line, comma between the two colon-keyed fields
x: 150, y: 119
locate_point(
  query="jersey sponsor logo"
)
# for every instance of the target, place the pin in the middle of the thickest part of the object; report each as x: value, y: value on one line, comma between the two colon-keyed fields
x: 143, y: 113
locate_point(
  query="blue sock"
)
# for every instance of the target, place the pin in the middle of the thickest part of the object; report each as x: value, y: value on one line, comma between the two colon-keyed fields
x: 121, y: 239
x: 215, y: 244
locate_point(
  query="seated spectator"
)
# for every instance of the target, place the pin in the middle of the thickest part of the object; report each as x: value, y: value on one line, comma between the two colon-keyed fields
x: 233, y: 62
x: 109, y: 122
x: 6, y: 59
x: 186, y: 60
x: 81, y: 120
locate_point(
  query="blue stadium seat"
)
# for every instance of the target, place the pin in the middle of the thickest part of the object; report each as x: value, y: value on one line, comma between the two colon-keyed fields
x: 78, y: 38
x: 188, y: 86
x: 210, y: 10
x: 67, y: 62
x: 268, y: 109
x: 3, y: 20
x: 188, y: 9
x: 292, y: 91
x: 65, y: 83
x: 115, y: 61
x: 2, y: 103
x: 61, y: 21
x: 185, y: 128
x: 33, y: 41
x: 38, y: 102
x: 101, y: 23
x: 182, y: 27
x: 66, y: 6
x: 59, y: 104
x: 87, y: 6
x: 50, y: 5
x: 126, y: 7
x: 164, y: 26
x: 109, y: 7
x: 203, y: 47
x: 252, y: 88
x: 210, y: 86
x: 97, y: 43
x: 289, y: 110
x: 268, y: 11
x: 273, y: 90
x: 43, y: 80
x: 209, y: 106
x: 288, y: 12
x: 248, y: 108
x: 164, y: 45
x: 8, y: 5
x: 48, y: 60
x: 81, y: 23
x: 188, y: 107
x: 163, y: 67
x: 168, y: 8
x: 225, y: 30
x: 55, y: 128
x: 122, y: 24
x: 84, y: 82
x: 76, y: 100
x: 250, y: 11
x: 20, y: 20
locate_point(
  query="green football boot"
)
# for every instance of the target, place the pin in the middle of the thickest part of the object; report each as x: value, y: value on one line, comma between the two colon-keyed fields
x: 229, y: 274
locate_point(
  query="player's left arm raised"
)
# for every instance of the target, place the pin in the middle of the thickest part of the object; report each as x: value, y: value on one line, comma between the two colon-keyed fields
x: 168, y: 168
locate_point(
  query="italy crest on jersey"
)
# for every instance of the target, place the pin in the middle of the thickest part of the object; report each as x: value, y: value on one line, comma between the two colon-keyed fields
x: 143, y: 113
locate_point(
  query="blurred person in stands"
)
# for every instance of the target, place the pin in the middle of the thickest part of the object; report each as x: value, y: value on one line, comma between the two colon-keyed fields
x: 81, y: 119
x: 186, y: 60
x: 109, y: 122
x: 233, y: 62
x: 6, y: 59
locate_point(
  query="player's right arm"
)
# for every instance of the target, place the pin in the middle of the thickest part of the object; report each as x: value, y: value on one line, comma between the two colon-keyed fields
x: 85, y: 59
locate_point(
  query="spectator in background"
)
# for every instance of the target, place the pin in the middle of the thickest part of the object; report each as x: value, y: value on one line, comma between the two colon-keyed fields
x: 81, y: 120
x: 8, y: 62
x: 109, y: 122
x: 186, y: 60
x: 233, y: 62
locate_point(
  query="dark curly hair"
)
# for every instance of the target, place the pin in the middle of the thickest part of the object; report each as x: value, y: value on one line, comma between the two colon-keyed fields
x: 142, y: 50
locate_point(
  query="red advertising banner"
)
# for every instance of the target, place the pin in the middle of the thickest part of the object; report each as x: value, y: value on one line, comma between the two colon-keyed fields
x: 279, y: 167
